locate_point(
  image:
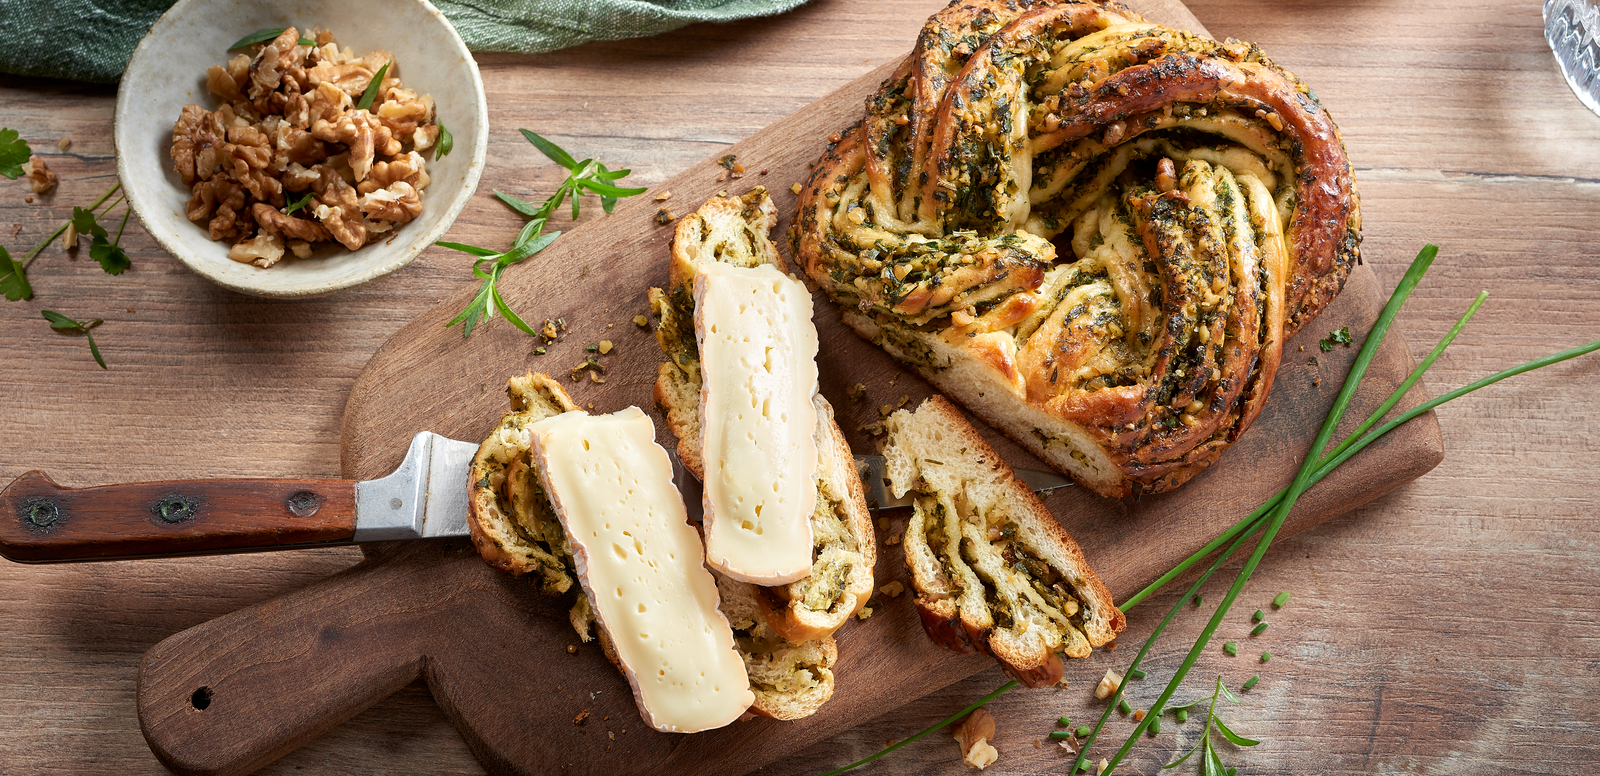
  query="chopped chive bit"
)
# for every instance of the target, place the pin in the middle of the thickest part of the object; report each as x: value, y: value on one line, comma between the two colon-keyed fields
x: 1134, y: 673
x: 1258, y: 616
x: 1060, y: 734
x: 1082, y: 731
x: 1155, y: 725
x: 1182, y: 715
x: 1251, y: 682
x: 1064, y: 722
x: 1197, y: 600
x: 1283, y: 598
x: 1122, y: 706
x: 1259, y: 629
x: 1230, y: 647
x: 1265, y: 656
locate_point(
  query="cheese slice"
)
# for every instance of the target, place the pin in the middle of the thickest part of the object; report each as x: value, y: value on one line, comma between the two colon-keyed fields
x: 641, y: 564
x: 758, y: 365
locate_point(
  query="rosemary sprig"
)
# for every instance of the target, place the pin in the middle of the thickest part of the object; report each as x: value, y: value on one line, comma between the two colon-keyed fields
x: 587, y: 176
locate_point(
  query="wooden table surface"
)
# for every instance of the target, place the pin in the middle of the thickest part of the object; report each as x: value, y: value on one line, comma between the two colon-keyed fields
x: 1450, y: 628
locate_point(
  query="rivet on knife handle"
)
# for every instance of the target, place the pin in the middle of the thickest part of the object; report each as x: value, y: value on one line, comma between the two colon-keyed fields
x: 42, y: 522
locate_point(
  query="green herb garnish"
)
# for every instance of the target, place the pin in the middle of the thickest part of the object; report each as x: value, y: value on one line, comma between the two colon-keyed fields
x: 1340, y: 337
x: 1258, y: 616
x: 13, y: 278
x: 62, y: 323
x: 586, y: 176
x: 13, y: 152
x: 1265, y: 656
x: 1210, y: 761
x: 1082, y: 731
x: 1136, y: 674
x: 1251, y: 682
x: 1060, y: 734
x: 1122, y: 706
x: 1283, y: 598
x: 1259, y: 629
x: 14, y: 272
x: 102, y: 248
x: 1064, y: 721
x: 372, y: 88
x: 446, y: 141
x: 1230, y: 647
x: 297, y: 204
x: 262, y: 36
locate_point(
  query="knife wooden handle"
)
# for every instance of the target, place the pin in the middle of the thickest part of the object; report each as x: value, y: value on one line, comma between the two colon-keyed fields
x: 42, y: 522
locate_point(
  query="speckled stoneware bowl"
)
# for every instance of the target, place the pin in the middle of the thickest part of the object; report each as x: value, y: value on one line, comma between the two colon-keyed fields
x: 168, y: 71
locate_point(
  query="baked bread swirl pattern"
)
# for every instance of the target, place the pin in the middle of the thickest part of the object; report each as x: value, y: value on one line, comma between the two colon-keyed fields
x: 1094, y: 231
x: 734, y: 230
x: 993, y: 570
x: 515, y: 528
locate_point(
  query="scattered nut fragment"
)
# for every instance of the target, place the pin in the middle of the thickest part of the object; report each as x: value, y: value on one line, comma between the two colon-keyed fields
x: 582, y: 715
x: 974, y: 735
x: 605, y: 347
x: 1100, y: 767
x: 1108, y: 685
x: 855, y: 392
x: 893, y: 589
x: 665, y: 216
x: 641, y: 321
x: 64, y: 143
x: 40, y: 178
x: 1138, y: 715
x: 795, y: 188
x: 664, y: 196
x: 69, y: 238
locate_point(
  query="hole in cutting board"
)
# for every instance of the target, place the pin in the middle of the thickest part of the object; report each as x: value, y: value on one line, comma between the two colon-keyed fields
x: 200, y: 699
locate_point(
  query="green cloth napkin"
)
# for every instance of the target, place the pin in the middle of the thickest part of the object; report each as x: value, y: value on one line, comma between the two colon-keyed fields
x: 91, y: 40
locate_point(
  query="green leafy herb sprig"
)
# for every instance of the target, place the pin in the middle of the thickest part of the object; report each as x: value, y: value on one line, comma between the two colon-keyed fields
x: 14, y: 151
x: 262, y: 36
x: 62, y: 323
x: 107, y: 251
x: 1268, y: 518
x: 1338, y: 337
x: 587, y: 176
x: 371, y: 91
x: 14, y: 272
x: 1210, y: 761
x: 446, y: 141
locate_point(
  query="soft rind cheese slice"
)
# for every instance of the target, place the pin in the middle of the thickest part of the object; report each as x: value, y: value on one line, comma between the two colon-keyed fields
x: 758, y: 362
x: 641, y: 564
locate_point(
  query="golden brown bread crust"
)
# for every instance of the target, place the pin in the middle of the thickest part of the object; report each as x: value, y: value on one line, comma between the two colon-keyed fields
x: 993, y: 570
x: 734, y: 230
x: 1093, y: 231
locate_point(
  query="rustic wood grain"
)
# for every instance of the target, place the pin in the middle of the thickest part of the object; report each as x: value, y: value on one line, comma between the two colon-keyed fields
x: 41, y: 521
x: 1448, y: 628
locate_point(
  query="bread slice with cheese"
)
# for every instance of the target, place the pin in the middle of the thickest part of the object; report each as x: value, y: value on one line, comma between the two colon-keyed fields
x: 516, y: 530
x: 734, y: 231
x: 993, y: 570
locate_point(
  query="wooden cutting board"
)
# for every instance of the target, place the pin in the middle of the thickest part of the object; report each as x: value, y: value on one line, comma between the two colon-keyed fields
x: 236, y: 693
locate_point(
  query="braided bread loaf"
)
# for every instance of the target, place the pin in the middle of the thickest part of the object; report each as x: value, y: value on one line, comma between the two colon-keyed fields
x: 1095, y: 232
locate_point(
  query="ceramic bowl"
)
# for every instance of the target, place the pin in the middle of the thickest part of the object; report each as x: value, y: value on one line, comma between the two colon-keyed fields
x: 168, y: 70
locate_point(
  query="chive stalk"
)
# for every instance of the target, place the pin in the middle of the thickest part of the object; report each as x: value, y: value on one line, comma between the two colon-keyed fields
x: 1259, y: 629
x: 1251, y: 682
x: 1060, y: 734
x: 1283, y: 598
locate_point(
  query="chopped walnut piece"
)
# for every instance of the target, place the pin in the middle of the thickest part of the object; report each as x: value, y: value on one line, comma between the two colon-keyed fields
x: 350, y: 79
x: 1108, y: 685
x: 220, y: 82
x: 398, y: 203
x: 273, y: 221
x: 263, y: 250
x: 974, y: 735
x: 893, y: 589
x: 266, y: 71
x: 300, y: 248
x: 40, y: 178
x: 339, y: 209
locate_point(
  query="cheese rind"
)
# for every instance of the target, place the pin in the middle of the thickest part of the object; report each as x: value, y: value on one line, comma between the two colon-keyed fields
x: 642, y: 566
x: 758, y: 351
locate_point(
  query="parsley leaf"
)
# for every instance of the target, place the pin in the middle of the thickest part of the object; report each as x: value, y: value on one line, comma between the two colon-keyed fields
x: 62, y: 323
x: 586, y: 176
x: 13, y: 279
x: 372, y: 88
x: 13, y: 152
x: 113, y: 259
x: 1340, y: 337
x: 293, y: 206
x: 441, y: 149
x: 84, y: 221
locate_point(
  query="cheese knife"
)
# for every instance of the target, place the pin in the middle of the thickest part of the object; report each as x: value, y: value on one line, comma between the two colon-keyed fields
x: 425, y: 498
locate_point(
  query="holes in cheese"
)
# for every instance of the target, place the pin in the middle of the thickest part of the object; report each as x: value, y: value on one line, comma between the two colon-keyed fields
x: 611, y: 486
x: 758, y: 350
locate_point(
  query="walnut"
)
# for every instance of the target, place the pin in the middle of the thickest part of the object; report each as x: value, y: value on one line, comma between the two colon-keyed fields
x: 273, y: 221
x: 339, y: 210
x: 297, y: 111
x: 327, y: 104
x: 398, y: 203
x: 266, y: 72
x: 404, y: 111
x: 298, y: 178
x: 239, y: 68
x: 263, y: 250
x: 250, y: 147
x: 300, y: 248
x: 195, y: 141
x: 347, y: 78
x: 40, y: 178
x: 974, y: 735
x: 213, y: 195
x: 425, y: 136
x: 293, y: 145
x: 220, y: 82
x: 363, y: 133
x: 408, y: 168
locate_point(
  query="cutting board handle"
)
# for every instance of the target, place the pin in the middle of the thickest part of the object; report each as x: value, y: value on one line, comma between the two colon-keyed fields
x: 231, y: 695
x: 42, y: 522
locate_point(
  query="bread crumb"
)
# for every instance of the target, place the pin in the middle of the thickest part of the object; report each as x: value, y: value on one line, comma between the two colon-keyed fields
x: 664, y: 196
x: 605, y: 347
x: 866, y: 611
x: 855, y: 392
x: 1138, y: 715
x: 1111, y: 647
x: 582, y: 715
x: 1037, y: 744
x: 893, y: 589
x: 892, y: 539
x: 611, y: 735
x: 795, y: 187
x: 665, y: 216
x: 641, y: 321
